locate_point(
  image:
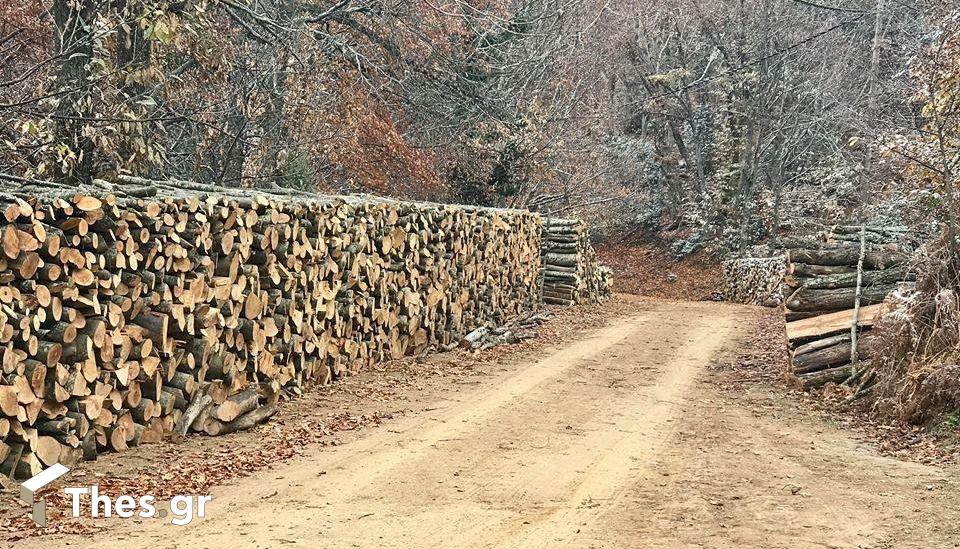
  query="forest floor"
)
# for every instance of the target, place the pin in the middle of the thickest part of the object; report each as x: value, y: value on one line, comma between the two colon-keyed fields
x: 638, y: 423
x: 647, y: 269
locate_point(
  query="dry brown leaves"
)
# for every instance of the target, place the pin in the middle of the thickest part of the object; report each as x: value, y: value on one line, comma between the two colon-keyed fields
x: 763, y: 359
x: 176, y: 473
x: 760, y: 358
x: 202, y: 463
x: 644, y: 269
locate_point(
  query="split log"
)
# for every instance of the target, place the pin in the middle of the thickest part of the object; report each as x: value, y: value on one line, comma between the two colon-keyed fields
x: 9, y: 465
x: 200, y: 402
x: 120, y: 306
x: 757, y: 281
x: 48, y: 450
x: 822, y: 325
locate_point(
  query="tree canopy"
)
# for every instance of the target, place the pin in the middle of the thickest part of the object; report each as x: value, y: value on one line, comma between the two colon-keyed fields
x: 717, y: 122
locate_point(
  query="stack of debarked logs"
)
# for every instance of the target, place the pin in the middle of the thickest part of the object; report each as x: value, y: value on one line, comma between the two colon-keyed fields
x: 821, y: 282
x: 136, y: 309
x: 571, y: 273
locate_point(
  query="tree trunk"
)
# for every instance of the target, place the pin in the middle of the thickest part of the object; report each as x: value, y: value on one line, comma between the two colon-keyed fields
x: 849, y: 256
x: 73, y: 24
x: 806, y: 300
x: 849, y: 280
x: 832, y: 355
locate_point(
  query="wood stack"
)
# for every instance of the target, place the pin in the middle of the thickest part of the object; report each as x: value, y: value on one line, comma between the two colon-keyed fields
x: 822, y: 280
x: 136, y: 309
x: 570, y: 270
x: 755, y: 280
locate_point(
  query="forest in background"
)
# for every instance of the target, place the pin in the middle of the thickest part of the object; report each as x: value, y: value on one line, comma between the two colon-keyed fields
x: 713, y: 128
x: 711, y: 124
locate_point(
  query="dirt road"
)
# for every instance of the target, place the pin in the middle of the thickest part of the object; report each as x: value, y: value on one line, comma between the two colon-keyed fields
x: 619, y: 439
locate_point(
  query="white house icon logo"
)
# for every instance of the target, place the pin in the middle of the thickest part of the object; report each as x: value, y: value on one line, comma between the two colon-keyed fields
x: 31, y: 486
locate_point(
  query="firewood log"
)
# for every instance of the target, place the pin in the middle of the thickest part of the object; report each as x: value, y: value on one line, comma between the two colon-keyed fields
x: 757, y: 281
x: 818, y: 344
x: 235, y: 406
x: 832, y: 355
x: 849, y: 280
x: 806, y: 300
x: 571, y: 273
x: 214, y: 427
x: 875, y: 259
x: 831, y: 375
x: 200, y: 402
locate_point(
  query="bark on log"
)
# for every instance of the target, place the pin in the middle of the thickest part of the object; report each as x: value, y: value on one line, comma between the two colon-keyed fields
x: 805, y: 270
x: 806, y: 300
x: 875, y: 259
x: 235, y: 406
x: 571, y: 273
x: 120, y: 304
x: 821, y: 378
x: 818, y: 344
x: 835, y: 354
x: 244, y: 422
x: 200, y: 402
x: 849, y: 280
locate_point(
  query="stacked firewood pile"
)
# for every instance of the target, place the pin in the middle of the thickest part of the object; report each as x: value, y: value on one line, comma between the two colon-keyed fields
x: 837, y: 280
x: 133, y: 310
x: 570, y: 270
x: 755, y: 280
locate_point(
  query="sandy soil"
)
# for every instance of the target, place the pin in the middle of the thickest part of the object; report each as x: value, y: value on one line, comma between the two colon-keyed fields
x: 633, y: 435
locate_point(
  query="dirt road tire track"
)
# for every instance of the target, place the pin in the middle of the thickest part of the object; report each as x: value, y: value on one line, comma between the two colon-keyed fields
x: 564, y: 451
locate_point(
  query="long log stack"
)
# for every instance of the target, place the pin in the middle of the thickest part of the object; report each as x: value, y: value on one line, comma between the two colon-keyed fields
x: 571, y: 274
x: 137, y: 309
x: 822, y: 283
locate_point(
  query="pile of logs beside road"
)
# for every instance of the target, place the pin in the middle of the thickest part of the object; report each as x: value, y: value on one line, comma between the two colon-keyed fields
x: 135, y: 310
x: 755, y: 280
x: 836, y: 284
x: 571, y: 274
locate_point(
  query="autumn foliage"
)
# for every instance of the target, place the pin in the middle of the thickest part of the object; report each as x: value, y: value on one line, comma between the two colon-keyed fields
x: 448, y: 100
